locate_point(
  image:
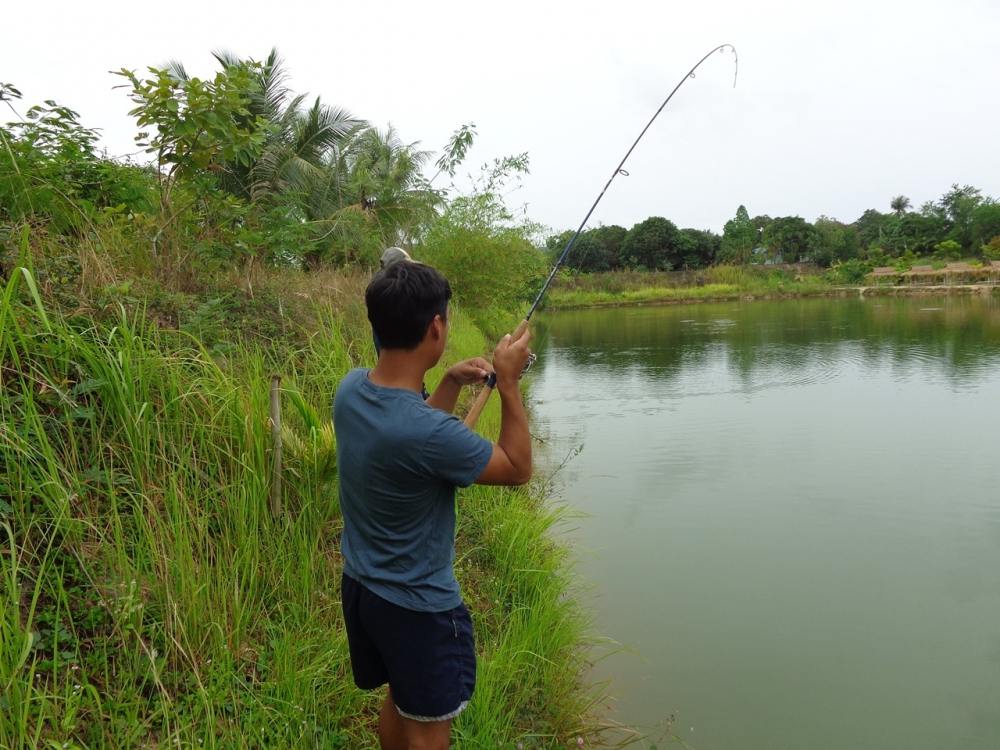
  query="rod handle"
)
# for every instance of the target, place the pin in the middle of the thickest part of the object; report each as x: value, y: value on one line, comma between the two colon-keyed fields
x: 484, y: 395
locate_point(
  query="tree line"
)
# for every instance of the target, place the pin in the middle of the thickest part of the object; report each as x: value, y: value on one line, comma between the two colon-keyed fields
x: 238, y: 169
x: 962, y: 223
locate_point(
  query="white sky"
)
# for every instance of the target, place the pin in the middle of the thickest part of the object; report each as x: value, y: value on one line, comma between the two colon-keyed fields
x: 839, y: 105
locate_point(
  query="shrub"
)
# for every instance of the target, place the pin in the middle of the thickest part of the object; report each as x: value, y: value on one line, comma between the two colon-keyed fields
x: 991, y: 250
x: 948, y: 250
x: 487, y: 257
x: 851, y: 271
x: 905, y: 261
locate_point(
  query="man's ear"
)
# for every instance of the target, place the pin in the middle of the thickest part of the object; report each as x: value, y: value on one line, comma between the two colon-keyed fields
x: 435, y: 329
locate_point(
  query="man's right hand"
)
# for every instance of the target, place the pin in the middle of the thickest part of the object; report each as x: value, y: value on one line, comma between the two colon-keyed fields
x: 510, y: 357
x: 511, y: 460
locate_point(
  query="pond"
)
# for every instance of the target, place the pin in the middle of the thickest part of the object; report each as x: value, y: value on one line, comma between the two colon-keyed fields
x: 789, y: 515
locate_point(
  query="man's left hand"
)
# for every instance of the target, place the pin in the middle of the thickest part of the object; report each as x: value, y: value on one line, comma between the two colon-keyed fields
x: 470, y: 371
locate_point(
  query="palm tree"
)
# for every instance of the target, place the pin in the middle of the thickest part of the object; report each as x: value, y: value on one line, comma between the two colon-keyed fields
x: 298, y: 139
x: 370, y: 193
x: 354, y: 184
x: 386, y: 181
x: 899, y: 204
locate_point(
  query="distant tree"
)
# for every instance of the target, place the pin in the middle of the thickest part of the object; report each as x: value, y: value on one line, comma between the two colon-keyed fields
x: 739, y: 236
x: 651, y: 244
x: 760, y: 222
x: 697, y: 248
x: 917, y: 232
x: 789, y: 238
x: 899, y: 204
x: 959, y: 204
x: 985, y: 224
x: 833, y: 242
x: 611, y: 237
x: 588, y: 253
x: 873, y: 228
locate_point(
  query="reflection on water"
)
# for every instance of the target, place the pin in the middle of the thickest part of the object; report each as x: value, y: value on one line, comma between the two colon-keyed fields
x: 793, y: 515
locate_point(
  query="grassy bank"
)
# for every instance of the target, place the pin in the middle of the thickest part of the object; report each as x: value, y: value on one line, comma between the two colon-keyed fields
x: 722, y: 283
x: 711, y: 284
x: 149, y: 596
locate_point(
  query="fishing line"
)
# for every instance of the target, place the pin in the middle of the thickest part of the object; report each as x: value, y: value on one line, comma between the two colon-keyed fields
x: 619, y: 170
x: 477, y: 407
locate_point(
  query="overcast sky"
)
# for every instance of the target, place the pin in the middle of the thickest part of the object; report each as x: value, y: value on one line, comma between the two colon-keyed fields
x: 839, y: 105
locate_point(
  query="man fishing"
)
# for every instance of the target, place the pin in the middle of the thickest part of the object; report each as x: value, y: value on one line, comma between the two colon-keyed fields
x: 400, y: 459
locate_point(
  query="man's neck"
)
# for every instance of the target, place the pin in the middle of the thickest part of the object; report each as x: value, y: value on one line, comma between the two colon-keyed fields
x: 399, y: 368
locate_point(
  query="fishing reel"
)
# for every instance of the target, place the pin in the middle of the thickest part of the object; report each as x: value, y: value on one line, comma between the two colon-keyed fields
x: 491, y: 379
x: 532, y: 358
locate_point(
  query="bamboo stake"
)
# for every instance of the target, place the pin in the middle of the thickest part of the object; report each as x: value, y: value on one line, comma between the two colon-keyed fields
x: 276, y: 509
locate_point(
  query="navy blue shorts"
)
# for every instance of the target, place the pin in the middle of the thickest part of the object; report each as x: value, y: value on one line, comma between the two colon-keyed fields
x: 428, y: 658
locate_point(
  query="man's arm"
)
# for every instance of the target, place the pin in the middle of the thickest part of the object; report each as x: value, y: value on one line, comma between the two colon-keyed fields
x: 510, y: 463
x: 468, y: 372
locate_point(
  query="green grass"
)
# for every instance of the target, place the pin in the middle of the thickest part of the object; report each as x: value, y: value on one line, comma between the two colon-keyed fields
x: 149, y: 598
x: 717, y: 283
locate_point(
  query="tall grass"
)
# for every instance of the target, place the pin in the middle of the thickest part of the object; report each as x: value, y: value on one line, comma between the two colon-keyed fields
x: 149, y: 598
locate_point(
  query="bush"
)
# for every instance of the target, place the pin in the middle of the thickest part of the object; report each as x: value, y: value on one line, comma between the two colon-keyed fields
x: 489, y: 264
x: 851, y: 271
x: 905, y: 261
x: 948, y: 250
x: 877, y: 255
x: 991, y: 250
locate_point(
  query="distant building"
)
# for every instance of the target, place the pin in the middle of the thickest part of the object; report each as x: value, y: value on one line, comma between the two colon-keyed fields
x: 762, y: 256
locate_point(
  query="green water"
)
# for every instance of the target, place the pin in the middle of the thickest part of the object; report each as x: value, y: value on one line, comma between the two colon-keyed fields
x: 792, y: 516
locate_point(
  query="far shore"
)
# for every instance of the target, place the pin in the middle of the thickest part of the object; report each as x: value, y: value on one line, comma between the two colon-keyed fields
x: 655, y: 296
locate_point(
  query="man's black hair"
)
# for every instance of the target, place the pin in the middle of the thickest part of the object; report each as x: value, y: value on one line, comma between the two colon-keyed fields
x: 402, y: 301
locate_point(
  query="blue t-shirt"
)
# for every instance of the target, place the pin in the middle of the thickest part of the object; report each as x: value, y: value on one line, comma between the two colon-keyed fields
x: 399, y: 461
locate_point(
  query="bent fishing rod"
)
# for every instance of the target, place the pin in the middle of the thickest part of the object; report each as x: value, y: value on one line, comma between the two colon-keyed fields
x: 477, y: 407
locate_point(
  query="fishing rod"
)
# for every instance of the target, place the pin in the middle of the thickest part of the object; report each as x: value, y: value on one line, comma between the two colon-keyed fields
x: 477, y: 407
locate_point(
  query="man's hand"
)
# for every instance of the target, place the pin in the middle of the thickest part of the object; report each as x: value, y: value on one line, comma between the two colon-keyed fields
x: 469, y: 372
x: 510, y: 357
x: 511, y: 459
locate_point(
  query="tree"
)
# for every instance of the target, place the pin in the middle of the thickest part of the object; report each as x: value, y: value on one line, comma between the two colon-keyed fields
x: 959, y: 204
x: 985, y: 224
x: 789, y: 238
x: 899, y: 204
x: 918, y: 232
x: 697, y: 248
x: 588, y: 253
x: 298, y: 137
x: 760, y: 223
x: 834, y: 242
x: 200, y: 126
x: 739, y: 236
x: 386, y: 182
x: 479, y: 240
x: 873, y: 228
x: 651, y: 244
x: 196, y: 128
x: 611, y: 237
